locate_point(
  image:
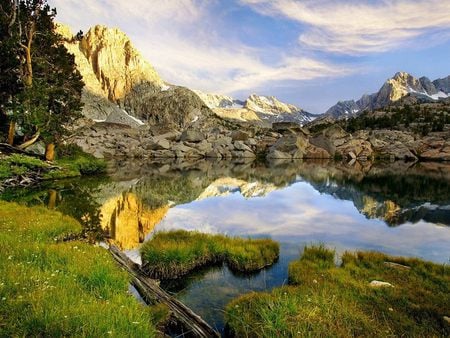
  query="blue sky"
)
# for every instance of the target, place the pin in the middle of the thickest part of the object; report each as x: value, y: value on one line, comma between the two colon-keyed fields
x: 311, y: 53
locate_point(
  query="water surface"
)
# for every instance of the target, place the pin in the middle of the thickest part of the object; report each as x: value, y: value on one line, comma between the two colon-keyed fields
x: 399, y: 209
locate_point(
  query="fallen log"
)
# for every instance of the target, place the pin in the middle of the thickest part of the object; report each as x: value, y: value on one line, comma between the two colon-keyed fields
x: 8, y: 149
x: 150, y: 291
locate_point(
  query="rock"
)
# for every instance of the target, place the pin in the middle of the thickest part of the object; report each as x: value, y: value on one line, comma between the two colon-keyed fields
x: 37, y: 148
x: 314, y: 152
x: 239, y: 135
x: 215, y: 153
x: 239, y: 145
x: 252, y: 142
x: 204, y: 146
x: 335, y: 132
x: 276, y: 154
x: 242, y: 154
x: 355, y: 148
x: 115, y: 61
x: 396, y: 151
x: 192, y: 136
x: 163, y: 154
x: 433, y: 148
x: 157, y: 144
x: 120, y: 116
x: 294, y: 145
x: 223, y: 140
x: 170, y: 136
x: 379, y: 284
x: 321, y: 142
x: 110, y: 67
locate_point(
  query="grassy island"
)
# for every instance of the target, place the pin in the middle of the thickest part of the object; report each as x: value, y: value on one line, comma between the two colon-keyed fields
x: 170, y: 255
x: 52, y: 288
x: 325, y: 300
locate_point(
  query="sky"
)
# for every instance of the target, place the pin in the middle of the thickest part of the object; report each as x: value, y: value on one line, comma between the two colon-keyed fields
x: 311, y: 53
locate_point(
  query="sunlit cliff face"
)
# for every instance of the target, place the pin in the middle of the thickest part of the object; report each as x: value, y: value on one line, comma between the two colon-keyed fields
x: 387, y: 210
x: 127, y: 221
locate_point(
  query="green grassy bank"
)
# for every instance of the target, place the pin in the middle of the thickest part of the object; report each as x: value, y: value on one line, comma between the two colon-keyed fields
x: 325, y: 300
x: 176, y: 253
x: 50, y: 288
x: 73, y: 165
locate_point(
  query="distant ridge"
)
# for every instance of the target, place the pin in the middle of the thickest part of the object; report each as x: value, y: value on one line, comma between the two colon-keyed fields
x: 394, y: 89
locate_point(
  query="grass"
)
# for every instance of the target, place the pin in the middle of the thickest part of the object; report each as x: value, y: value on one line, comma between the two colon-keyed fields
x: 52, y: 288
x: 170, y: 255
x: 325, y: 300
x: 74, y: 166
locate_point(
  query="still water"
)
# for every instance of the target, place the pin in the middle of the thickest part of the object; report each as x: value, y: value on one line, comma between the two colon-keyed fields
x: 399, y: 208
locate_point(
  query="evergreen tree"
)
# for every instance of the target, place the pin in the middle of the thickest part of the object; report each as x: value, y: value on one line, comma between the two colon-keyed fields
x: 50, y: 97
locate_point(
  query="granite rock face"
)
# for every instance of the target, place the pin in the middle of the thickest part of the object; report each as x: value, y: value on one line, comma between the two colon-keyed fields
x: 117, y: 65
x: 111, y: 67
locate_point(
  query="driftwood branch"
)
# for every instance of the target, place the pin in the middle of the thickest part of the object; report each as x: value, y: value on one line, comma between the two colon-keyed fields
x: 150, y: 291
x: 30, y: 142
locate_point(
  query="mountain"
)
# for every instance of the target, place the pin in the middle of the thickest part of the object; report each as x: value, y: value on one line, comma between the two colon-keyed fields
x: 394, y: 89
x: 271, y: 109
x: 219, y: 101
x: 257, y: 109
x: 122, y: 87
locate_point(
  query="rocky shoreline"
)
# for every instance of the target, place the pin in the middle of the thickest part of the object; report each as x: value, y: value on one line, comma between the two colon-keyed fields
x: 283, y: 141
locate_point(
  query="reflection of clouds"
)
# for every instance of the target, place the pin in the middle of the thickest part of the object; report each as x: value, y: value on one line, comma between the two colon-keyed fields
x: 300, y: 214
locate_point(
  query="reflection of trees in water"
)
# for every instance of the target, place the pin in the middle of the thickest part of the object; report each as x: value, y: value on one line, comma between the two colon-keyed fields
x: 397, y: 192
x: 71, y: 197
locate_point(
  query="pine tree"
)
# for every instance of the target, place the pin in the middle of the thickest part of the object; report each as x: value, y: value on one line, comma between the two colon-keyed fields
x: 50, y: 97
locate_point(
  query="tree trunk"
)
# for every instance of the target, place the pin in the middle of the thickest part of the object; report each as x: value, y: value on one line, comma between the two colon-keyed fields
x: 50, y: 152
x: 11, y: 132
x: 28, y: 78
x: 52, y: 195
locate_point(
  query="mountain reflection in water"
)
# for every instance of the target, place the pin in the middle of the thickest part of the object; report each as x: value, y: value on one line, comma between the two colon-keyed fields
x: 399, y: 208
x: 180, y: 194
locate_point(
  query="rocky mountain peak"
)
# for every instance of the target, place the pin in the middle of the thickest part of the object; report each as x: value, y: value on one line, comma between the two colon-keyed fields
x: 443, y: 85
x: 218, y: 100
x: 394, y: 89
x: 117, y: 64
x: 269, y: 104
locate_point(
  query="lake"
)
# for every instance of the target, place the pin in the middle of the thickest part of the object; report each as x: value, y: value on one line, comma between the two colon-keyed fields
x: 397, y: 208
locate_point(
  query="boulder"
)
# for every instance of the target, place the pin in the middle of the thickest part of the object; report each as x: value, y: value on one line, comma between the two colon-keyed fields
x: 192, y: 136
x: 203, y: 146
x: 37, y: 148
x: 242, y: 154
x: 276, y: 154
x: 222, y: 140
x: 239, y: 145
x: 294, y: 145
x: 355, y: 148
x: 395, y: 151
x: 379, y: 284
x: 163, y: 154
x: 239, y: 135
x: 157, y: 144
x: 322, y: 142
x: 120, y: 116
x: 215, y: 153
x: 314, y: 152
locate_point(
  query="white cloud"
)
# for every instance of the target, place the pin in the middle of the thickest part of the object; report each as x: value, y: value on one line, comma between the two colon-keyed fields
x: 360, y: 27
x: 182, y: 40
